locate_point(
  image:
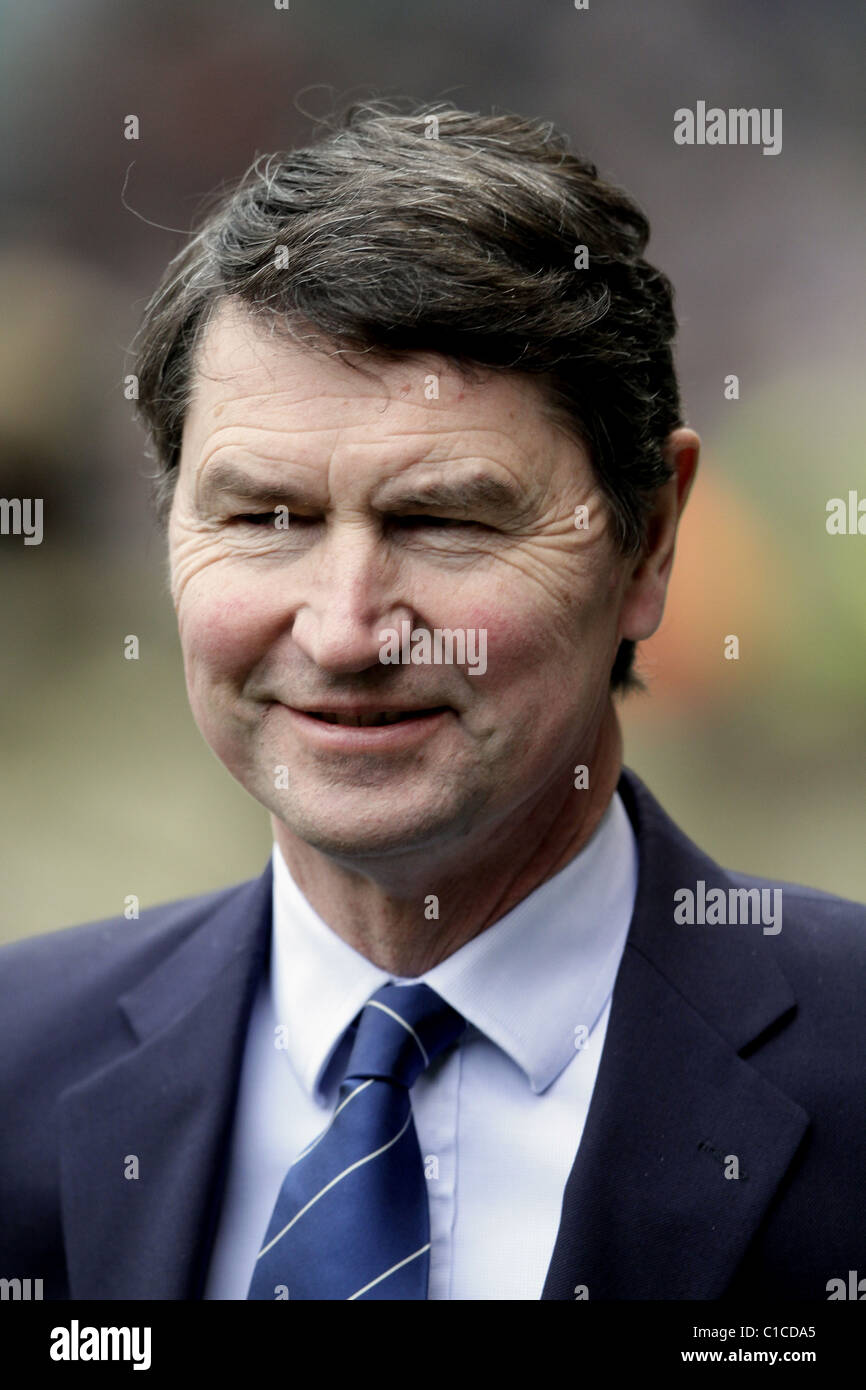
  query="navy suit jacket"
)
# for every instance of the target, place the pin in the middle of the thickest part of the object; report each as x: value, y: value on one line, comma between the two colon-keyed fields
x: 125, y: 1038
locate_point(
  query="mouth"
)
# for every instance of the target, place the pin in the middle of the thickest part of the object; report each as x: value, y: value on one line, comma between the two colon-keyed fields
x: 358, y: 730
x: 369, y: 719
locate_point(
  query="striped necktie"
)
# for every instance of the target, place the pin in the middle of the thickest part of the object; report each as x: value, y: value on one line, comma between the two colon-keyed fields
x: 351, y: 1220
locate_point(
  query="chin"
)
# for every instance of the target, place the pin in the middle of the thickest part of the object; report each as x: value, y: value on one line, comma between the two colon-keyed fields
x: 353, y: 842
x: 363, y: 832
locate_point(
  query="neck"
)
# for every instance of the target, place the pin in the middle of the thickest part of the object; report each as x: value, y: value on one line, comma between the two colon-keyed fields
x: 408, y: 928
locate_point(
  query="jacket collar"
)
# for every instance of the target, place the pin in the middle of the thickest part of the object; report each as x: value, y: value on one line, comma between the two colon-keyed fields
x: 168, y: 1103
x: 648, y: 1211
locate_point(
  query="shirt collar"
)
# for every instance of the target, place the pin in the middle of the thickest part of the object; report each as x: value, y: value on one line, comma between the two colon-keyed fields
x: 528, y: 983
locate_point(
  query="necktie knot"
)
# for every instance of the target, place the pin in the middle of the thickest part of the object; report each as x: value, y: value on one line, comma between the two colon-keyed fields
x: 401, y: 1029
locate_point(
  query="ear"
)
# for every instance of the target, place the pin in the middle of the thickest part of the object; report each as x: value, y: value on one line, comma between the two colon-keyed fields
x: 645, y: 590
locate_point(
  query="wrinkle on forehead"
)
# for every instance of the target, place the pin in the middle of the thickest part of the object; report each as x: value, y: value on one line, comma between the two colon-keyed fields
x: 264, y: 370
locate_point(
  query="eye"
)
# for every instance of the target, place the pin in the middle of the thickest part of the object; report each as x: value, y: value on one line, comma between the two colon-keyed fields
x: 413, y: 522
x: 282, y: 519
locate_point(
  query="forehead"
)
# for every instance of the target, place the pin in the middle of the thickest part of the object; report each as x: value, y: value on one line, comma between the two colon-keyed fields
x: 249, y: 377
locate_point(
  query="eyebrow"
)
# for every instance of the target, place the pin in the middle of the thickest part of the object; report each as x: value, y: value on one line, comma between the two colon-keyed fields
x: 468, y: 494
x: 479, y: 491
x: 234, y: 479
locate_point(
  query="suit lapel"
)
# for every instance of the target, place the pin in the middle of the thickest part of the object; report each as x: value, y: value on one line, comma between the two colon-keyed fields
x: 168, y: 1104
x: 648, y: 1212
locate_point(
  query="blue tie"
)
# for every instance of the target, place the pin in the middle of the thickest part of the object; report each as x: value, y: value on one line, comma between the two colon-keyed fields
x: 351, y: 1220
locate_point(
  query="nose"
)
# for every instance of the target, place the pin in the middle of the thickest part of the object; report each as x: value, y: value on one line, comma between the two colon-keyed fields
x: 348, y: 601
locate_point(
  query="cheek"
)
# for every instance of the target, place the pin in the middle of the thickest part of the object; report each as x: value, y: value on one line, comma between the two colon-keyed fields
x: 536, y: 640
x: 223, y: 628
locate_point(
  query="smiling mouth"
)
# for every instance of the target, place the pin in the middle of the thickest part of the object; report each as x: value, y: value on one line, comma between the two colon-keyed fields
x: 374, y: 718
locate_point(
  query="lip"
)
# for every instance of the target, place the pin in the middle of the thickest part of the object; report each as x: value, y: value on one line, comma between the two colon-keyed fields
x: 370, y: 738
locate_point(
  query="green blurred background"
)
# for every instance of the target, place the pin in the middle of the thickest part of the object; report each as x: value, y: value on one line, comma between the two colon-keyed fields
x: 109, y: 789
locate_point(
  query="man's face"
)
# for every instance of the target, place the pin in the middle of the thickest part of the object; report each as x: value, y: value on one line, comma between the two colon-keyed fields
x: 456, y: 512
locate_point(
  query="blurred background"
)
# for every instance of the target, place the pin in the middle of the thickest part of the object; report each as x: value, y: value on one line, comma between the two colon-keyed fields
x: 109, y: 790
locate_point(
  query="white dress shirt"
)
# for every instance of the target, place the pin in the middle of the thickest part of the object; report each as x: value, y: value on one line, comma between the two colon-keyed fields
x: 499, y: 1118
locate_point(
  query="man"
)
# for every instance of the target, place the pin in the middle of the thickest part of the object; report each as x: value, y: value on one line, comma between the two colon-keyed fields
x: 489, y: 1026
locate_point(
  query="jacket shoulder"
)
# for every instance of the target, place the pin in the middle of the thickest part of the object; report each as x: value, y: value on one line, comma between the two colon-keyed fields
x: 110, y: 954
x: 819, y: 936
x: 820, y: 943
